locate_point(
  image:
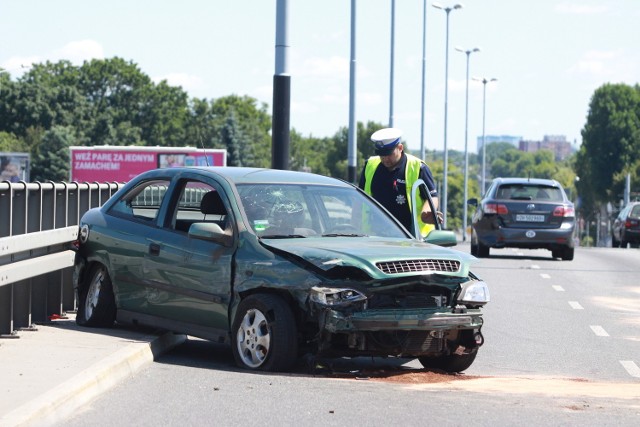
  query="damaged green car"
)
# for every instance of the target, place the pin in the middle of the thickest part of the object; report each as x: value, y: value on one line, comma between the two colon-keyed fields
x: 278, y: 264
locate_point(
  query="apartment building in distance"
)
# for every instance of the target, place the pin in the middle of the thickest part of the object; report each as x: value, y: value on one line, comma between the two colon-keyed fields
x: 557, y: 144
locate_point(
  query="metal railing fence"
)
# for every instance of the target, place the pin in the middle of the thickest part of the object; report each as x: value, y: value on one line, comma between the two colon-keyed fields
x: 38, y: 222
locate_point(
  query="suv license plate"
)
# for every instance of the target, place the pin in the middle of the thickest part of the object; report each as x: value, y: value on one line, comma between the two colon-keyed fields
x: 529, y: 218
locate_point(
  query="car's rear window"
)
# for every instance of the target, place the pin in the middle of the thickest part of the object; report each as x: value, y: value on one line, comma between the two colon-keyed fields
x: 635, y: 212
x: 529, y: 192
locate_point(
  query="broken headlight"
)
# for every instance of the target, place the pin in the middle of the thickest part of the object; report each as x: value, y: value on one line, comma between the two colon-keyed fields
x: 335, y: 297
x: 474, y: 292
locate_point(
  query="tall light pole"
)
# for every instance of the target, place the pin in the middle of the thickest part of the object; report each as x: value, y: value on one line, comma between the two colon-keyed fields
x: 393, y: 32
x: 424, y: 67
x: 467, y: 52
x: 443, y: 205
x: 484, y: 82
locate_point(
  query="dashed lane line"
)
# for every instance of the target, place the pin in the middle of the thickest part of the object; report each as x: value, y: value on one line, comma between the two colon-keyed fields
x: 631, y: 368
x: 545, y: 276
x: 599, y: 331
x: 558, y: 288
x: 576, y: 305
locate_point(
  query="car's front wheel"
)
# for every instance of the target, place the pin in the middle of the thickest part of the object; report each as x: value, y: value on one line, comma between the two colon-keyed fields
x: 265, y: 334
x: 96, y: 304
x: 450, y: 363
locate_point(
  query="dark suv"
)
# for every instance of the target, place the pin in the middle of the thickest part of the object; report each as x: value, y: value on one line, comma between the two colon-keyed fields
x: 524, y: 213
x: 626, y: 227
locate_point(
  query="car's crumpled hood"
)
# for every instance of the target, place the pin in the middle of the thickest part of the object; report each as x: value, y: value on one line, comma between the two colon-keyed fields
x: 329, y: 252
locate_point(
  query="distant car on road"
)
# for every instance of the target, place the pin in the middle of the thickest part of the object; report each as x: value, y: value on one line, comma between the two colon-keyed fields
x: 524, y: 213
x: 278, y: 264
x: 626, y: 227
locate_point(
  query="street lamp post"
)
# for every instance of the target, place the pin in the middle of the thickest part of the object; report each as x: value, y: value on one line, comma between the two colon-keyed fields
x: 443, y: 205
x: 484, y: 82
x: 424, y: 67
x: 467, y: 52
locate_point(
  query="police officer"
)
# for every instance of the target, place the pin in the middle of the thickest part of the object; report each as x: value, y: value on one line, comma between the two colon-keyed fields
x: 390, y: 175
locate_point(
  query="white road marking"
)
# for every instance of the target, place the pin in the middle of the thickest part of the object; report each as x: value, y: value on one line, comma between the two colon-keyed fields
x: 599, y: 331
x: 535, y: 267
x: 558, y: 288
x: 545, y: 276
x: 631, y: 368
x: 575, y: 305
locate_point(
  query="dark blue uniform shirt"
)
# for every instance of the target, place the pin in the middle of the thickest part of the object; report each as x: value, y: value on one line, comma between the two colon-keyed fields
x: 389, y: 189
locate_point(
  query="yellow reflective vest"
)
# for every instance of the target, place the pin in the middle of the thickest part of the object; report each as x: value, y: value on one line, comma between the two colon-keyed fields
x: 411, y: 175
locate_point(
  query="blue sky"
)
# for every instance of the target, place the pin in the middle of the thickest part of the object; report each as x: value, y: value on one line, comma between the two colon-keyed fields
x: 548, y: 56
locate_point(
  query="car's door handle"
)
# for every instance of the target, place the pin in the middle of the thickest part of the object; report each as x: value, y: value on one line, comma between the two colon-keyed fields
x: 154, y: 249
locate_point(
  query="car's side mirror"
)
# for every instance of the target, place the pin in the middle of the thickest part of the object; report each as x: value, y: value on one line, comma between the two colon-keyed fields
x: 441, y: 238
x: 472, y: 202
x: 209, y: 231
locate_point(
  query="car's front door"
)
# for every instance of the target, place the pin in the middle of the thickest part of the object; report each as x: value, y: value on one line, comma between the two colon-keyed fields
x: 191, y: 277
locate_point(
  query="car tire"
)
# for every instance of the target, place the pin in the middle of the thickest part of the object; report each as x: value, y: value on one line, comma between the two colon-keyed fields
x: 624, y: 244
x: 483, y: 251
x: 264, y: 334
x: 450, y: 363
x: 615, y: 243
x: 96, y: 302
x: 474, y: 249
x: 567, y: 253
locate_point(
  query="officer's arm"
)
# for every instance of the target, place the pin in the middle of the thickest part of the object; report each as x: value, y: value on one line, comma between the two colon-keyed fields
x: 426, y: 215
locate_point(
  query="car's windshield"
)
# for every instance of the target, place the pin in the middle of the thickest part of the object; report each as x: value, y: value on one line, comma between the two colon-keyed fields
x: 296, y: 210
x: 529, y: 192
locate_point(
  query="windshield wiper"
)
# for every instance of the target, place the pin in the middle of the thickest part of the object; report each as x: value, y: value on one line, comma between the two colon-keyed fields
x: 343, y: 235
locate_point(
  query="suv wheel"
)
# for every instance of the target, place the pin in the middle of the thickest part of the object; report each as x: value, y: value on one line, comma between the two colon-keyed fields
x: 567, y: 253
x: 483, y: 251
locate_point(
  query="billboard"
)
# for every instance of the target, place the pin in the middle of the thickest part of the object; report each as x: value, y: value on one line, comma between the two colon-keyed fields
x: 120, y: 164
x: 14, y: 167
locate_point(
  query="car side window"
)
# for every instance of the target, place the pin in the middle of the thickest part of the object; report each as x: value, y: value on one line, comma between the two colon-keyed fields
x: 198, y: 202
x: 635, y: 212
x: 143, y: 202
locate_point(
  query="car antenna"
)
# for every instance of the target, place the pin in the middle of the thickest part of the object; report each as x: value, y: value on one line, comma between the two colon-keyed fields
x: 204, y: 151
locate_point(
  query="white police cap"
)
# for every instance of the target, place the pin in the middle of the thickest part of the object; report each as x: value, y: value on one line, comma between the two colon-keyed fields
x: 386, y: 140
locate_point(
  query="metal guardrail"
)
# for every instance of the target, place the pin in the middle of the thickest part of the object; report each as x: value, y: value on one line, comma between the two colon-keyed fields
x: 38, y: 222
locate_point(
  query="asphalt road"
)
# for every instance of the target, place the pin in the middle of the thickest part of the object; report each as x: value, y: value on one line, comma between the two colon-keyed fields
x: 562, y: 348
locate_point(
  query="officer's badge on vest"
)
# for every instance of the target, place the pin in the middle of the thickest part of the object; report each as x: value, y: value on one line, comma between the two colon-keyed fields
x: 401, y: 199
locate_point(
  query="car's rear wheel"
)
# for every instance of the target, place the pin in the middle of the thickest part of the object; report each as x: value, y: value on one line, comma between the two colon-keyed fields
x: 450, y: 363
x: 615, y: 243
x: 474, y: 249
x: 483, y: 251
x: 567, y: 253
x: 97, y: 305
x: 265, y: 334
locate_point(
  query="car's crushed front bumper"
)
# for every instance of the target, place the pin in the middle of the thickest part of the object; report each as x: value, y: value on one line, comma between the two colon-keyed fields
x: 400, y: 320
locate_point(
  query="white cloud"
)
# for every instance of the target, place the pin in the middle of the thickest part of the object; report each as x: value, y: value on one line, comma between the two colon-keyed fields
x: 79, y: 51
x: 17, y: 65
x: 597, y: 63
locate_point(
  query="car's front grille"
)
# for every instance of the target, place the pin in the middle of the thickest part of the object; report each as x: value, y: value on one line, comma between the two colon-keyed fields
x: 419, y: 265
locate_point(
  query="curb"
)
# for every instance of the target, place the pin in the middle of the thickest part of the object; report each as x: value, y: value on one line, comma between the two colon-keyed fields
x: 57, y: 404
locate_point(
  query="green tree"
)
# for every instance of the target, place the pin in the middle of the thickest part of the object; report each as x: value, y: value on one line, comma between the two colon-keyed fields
x: 232, y: 139
x: 610, y: 143
x: 254, y: 124
x: 51, y: 157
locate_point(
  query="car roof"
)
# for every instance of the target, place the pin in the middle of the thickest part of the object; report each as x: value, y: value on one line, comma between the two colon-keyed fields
x: 535, y: 181
x: 246, y: 175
